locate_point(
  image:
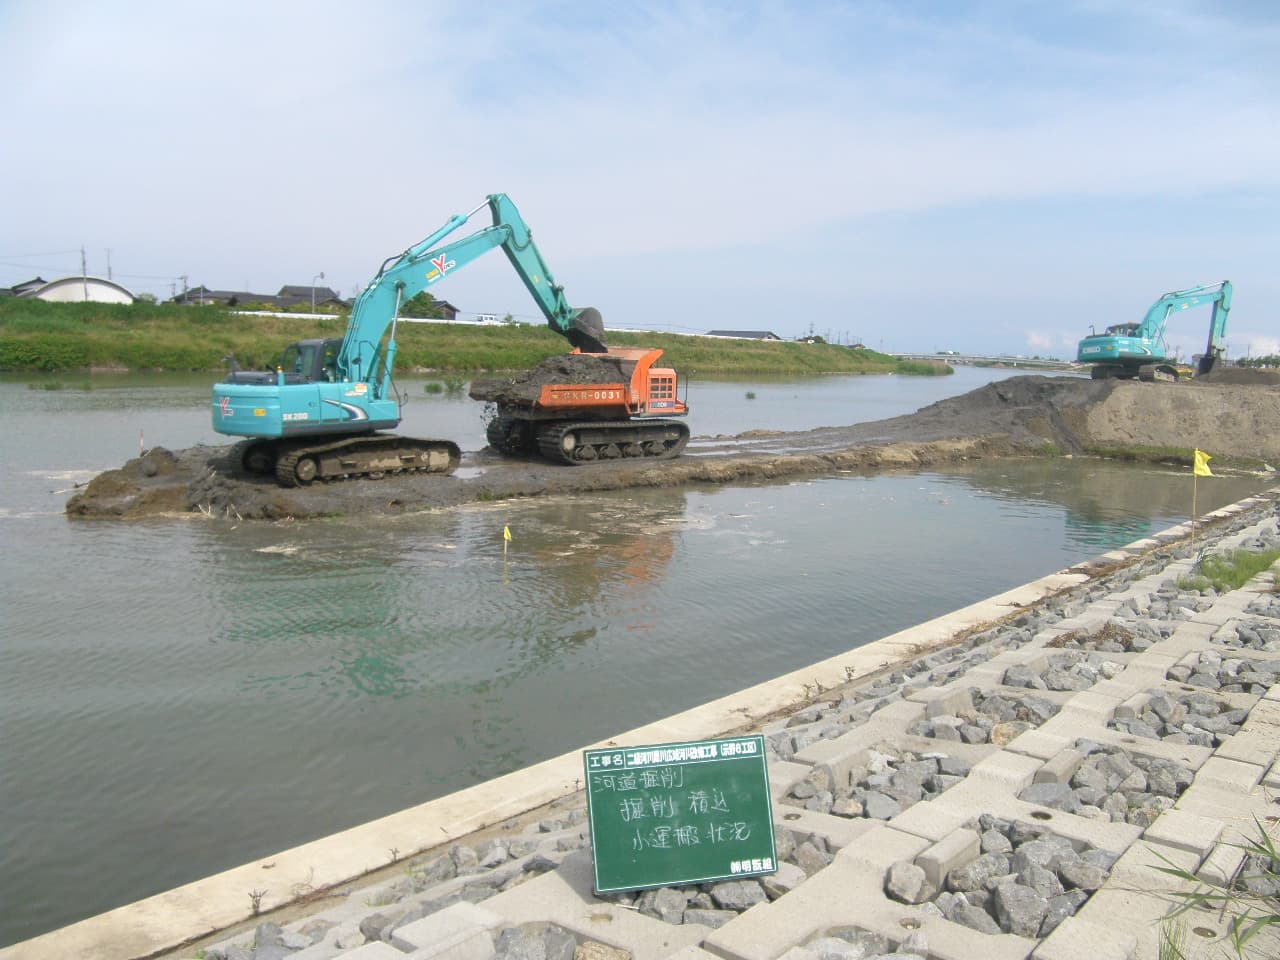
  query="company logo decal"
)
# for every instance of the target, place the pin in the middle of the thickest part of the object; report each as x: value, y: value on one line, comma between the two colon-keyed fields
x: 442, y: 266
x: 353, y: 412
x: 225, y: 405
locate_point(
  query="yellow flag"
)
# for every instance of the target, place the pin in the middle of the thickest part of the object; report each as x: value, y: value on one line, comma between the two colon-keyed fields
x: 506, y: 531
x: 1202, y: 464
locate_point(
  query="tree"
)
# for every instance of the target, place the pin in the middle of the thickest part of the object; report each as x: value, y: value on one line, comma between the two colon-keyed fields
x: 422, y: 305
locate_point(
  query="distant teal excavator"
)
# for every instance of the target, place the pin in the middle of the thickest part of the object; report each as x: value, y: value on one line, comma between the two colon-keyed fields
x: 1138, y: 350
x: 317, y: 414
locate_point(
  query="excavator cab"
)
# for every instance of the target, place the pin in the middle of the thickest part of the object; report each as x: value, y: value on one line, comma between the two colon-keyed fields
x: 311, y: 361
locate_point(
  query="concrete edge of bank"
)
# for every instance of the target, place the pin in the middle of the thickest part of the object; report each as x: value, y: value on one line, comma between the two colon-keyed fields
x: 168, y: 921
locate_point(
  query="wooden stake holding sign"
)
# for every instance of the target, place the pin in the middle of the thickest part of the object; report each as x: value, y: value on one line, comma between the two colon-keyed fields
x: 679, y: 813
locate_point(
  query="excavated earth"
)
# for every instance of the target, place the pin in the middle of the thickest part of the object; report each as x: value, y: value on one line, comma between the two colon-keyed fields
x: 1231, y: 413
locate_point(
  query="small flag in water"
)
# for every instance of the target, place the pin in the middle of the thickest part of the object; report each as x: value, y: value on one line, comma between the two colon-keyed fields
x: 1202, y: 464
x: 506, y: 532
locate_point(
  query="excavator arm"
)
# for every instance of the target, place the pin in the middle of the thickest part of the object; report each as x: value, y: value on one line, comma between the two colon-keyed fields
x: 425, y: 264
x: 1157, y: 316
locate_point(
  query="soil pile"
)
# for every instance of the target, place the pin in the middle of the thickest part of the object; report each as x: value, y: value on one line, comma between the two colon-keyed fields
x: 571, y: 368
x: 1014, y: 417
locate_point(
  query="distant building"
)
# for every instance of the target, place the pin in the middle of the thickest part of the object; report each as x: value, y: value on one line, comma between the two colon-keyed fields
x: 745, y: 334
x: 82, y: 289
x: 290, y: 296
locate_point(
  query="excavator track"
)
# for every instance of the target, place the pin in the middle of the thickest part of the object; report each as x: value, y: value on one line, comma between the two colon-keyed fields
x: 374, y: 456
x: 594, y: 440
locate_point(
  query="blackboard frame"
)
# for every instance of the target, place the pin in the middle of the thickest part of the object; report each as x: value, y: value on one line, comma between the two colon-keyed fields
x: 690, y: 812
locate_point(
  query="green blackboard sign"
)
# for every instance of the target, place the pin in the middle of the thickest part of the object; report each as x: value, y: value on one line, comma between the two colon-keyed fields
x: 675, y: 813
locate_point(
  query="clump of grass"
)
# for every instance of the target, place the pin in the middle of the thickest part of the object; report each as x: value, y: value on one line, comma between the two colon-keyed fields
x: 1250, y: 900
x: 1228, y: 571
x: 433, y: 387
x: 751, y: 394
x: 453, y: 385
x: 50, y: 385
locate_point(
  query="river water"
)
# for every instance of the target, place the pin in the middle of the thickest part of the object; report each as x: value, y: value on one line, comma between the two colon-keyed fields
x: 180, y: 697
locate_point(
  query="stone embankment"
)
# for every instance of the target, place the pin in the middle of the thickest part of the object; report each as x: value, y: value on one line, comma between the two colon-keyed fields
x: 1012, y: 791
x: 1010, y: 781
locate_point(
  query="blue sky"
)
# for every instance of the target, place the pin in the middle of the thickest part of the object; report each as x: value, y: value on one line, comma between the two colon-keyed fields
x: 919, y: 176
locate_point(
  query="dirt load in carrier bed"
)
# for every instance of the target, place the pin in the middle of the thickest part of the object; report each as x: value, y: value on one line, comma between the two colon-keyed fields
x: 1013, y: 417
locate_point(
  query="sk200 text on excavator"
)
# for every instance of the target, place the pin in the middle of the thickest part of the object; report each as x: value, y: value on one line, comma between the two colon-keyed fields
x: 318, y: 415
x: 1129, y: 350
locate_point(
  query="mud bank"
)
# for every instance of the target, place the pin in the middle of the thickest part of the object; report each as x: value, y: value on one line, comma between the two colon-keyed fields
x: 1016, y: 417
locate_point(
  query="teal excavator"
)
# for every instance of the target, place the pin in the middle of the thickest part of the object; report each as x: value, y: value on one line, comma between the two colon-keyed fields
x: 1130, y: 350
x: 319, y: 413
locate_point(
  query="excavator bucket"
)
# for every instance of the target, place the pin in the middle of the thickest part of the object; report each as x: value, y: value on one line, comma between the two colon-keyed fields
x: 586, y: 332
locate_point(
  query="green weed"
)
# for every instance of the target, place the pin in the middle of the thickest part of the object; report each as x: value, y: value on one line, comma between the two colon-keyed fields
x: 1228, y: 571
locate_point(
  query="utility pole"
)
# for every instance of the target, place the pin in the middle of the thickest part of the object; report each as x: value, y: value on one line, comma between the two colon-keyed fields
x: 84, y: 274
x: 108, y: 263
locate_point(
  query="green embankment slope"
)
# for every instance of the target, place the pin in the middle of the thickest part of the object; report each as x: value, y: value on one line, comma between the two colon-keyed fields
x: 36, y: 336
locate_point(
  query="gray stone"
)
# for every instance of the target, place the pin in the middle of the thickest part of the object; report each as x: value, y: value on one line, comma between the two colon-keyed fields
x: 975, y: 874
x: 1036, y: 709
x: 1041, y: 879
x: 1019, y: 676
x: 665, y: 903
x: 1082, y: 875
x: 879, y: 806
x: 810, y: 859
x: 738, y: 894
x: 973, y: 917
x: 1020, y: 910
x: 785, y: 879
x: 1056, y: 796
x: 709, y: 918
x: 907, y: 883
x: 972, y: 733
x: 953, y: 767
x: 993, y: 841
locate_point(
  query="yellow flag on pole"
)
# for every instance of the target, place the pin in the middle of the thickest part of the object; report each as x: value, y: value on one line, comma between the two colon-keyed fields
x: 1202, y: 464
x: 506, y: 531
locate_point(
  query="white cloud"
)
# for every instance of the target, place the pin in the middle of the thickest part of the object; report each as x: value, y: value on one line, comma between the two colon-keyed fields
x: 733, y: 147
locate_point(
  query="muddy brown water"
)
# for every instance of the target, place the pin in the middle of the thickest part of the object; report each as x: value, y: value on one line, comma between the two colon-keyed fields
x: 180, y: 697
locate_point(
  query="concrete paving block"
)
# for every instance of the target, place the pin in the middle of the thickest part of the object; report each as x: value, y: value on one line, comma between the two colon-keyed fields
x: 783, y: 775
x: 883, y: 847
x: 1253, y: 745
x: 1222, y: 864
x: 1120, y: 687
x: 1230, y: 774
x: 839, y: 832
x: 1186, y: 754
x: 1013, y: 771
x: 1076, y: 938
x: 1090, y: 707
x: 1185, y: 831
x: 1040, y: 743
x: 900, y: 713
x: 957, y: 847
x: 1271, y: 779
x: 443, y: 925
x: 850, y: 894
x: 376, y: 951
x: 475, y: 945
x: 1059, y: 768
x: 1132, y: 707
x: 565, y: 897
x: 1265, y: 715
x: 932, y: 820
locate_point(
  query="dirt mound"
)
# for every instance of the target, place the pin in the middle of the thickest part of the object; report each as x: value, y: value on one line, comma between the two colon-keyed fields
x: 1244, y: 376
x: 1013, y: 417
x: 571, y: 368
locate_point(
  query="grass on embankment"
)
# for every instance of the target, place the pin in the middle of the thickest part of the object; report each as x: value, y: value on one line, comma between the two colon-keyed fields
x: 58, y: 337
x: 1230, y: 570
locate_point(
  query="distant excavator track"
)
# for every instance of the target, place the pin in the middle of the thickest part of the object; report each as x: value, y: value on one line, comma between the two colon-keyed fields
x: 297, y: 463
x: 594, y: 440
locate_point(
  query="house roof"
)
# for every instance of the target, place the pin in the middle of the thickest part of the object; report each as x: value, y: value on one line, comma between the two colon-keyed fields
x: 745, y: 334
x: 322, y: 293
